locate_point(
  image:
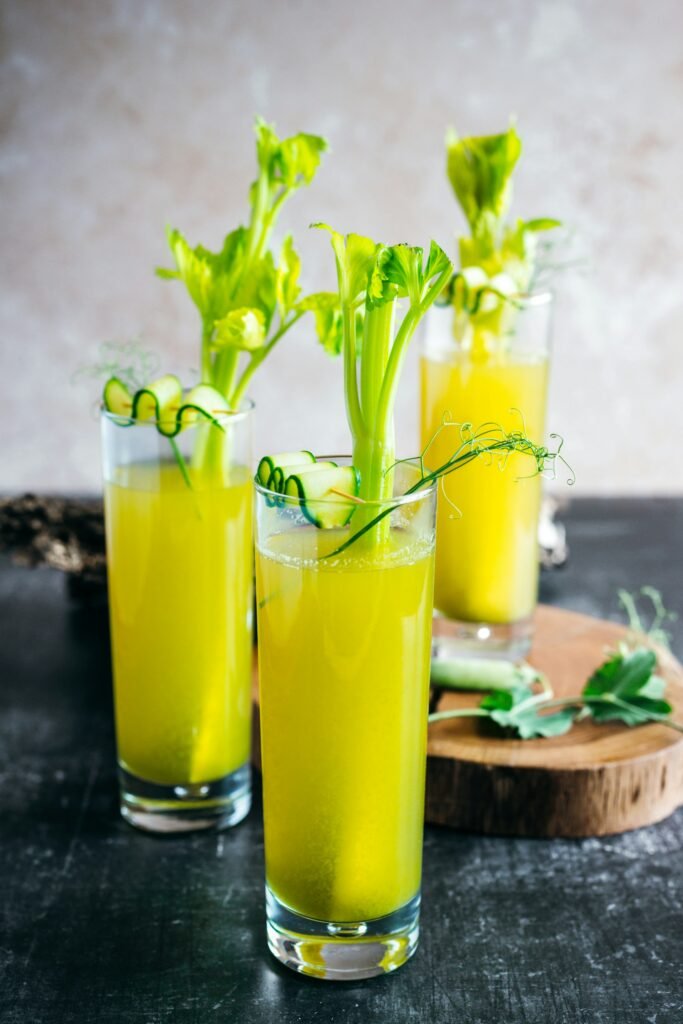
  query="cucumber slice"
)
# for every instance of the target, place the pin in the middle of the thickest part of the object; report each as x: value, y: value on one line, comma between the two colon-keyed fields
x: 117, y: 398
x: 160, y: 401
x: 278, y: 478
x: 205, y: 401
x: 269, y: 462
x: 319, y: 504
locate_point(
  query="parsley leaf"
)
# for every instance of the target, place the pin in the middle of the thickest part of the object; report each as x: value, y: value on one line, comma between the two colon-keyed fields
x: 624, y: 688
x: 518, y: 709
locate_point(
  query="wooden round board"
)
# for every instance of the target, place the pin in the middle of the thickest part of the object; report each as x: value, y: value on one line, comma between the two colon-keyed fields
x: 595, y: 780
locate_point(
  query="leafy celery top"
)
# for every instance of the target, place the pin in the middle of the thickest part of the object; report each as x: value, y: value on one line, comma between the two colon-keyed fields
x: 248, y: 298
x: 371, y: 279
x: 499, y: 260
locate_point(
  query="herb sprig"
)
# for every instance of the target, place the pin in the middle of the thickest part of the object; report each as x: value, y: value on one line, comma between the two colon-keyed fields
x: 489, y: 440
x: 624, y: 688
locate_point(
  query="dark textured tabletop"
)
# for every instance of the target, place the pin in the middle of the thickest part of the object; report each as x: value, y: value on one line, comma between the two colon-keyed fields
x: 104, y: 924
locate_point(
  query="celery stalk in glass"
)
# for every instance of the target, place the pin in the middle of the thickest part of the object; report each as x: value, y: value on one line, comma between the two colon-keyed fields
x: 485, y: 358
x: 178, y: 497
x: 344, y: 645
x: 344, y: 570
x: 373, y: 279
x: 344, y: 641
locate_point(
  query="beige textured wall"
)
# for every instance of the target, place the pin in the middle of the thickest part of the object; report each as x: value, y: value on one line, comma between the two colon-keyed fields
x: 118, y: 116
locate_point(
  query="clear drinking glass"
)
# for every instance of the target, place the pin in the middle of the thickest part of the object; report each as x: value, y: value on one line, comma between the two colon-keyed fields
x: 486, y: 580
x: 179, y: 560
x: 344, y: 651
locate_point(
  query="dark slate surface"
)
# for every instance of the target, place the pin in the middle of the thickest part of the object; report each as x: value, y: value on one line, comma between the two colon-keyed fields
x: 103, y: 924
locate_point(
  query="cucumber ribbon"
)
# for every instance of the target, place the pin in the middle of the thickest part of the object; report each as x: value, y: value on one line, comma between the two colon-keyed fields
x: 318, y: 488
x: 163, y: 402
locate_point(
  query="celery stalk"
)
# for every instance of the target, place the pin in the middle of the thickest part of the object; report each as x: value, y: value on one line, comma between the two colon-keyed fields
x: 247, y: 297
x: 372, y: 279
x: 499, y: 260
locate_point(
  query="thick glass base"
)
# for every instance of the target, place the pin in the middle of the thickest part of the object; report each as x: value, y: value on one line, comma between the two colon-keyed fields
x: 452, y: 638
x: 185, y: 808
x: 342, y: 951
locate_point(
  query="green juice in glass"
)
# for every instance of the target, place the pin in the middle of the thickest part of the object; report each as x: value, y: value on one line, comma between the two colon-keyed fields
x: 487, y: 519
x: 344, y: 648
x: 180, y: 564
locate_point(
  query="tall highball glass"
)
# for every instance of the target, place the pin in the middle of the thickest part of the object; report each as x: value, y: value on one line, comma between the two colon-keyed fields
x: 344, y: 623
x: 179, y: 560
x: 487, y: 561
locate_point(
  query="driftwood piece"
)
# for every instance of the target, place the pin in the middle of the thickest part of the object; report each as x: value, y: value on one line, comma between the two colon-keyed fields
x: 60, y: 533
x: 68, y: 534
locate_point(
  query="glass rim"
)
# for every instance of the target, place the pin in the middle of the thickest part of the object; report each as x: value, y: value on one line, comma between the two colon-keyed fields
x: 381, y: 503
x: 247, y: 406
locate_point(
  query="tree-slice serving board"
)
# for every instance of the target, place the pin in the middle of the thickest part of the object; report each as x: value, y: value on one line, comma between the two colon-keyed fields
x: 595, y: 780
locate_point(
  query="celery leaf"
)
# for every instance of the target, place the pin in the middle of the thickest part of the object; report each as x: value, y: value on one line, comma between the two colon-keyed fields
x: 318, y: 301
x: 243, y: 329
x: 328, y: 319
x: 299, y: 159
x: 287, y: 288
x: 542, y: 224
x: 329, y: 328
x: 209, y: 277
x: 437, y: 261
x: 259, y: 288
x: 401, y: 265
x: 355, y: 257
x: 480, y: 171
x: 288, y: 163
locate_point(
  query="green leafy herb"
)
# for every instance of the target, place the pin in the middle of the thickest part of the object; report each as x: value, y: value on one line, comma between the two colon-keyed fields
x: 480, y: 171
x: 655, y: 632
x: 243, y: 328
x: 519, y: 710
x: 624, y: 688
x: 127, y: 360
x: 490, y: 440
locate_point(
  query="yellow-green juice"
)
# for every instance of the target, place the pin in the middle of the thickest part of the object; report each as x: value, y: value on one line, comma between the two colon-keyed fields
x: 487, y: 547
x: 344, y: 647
x: 180, y: 570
